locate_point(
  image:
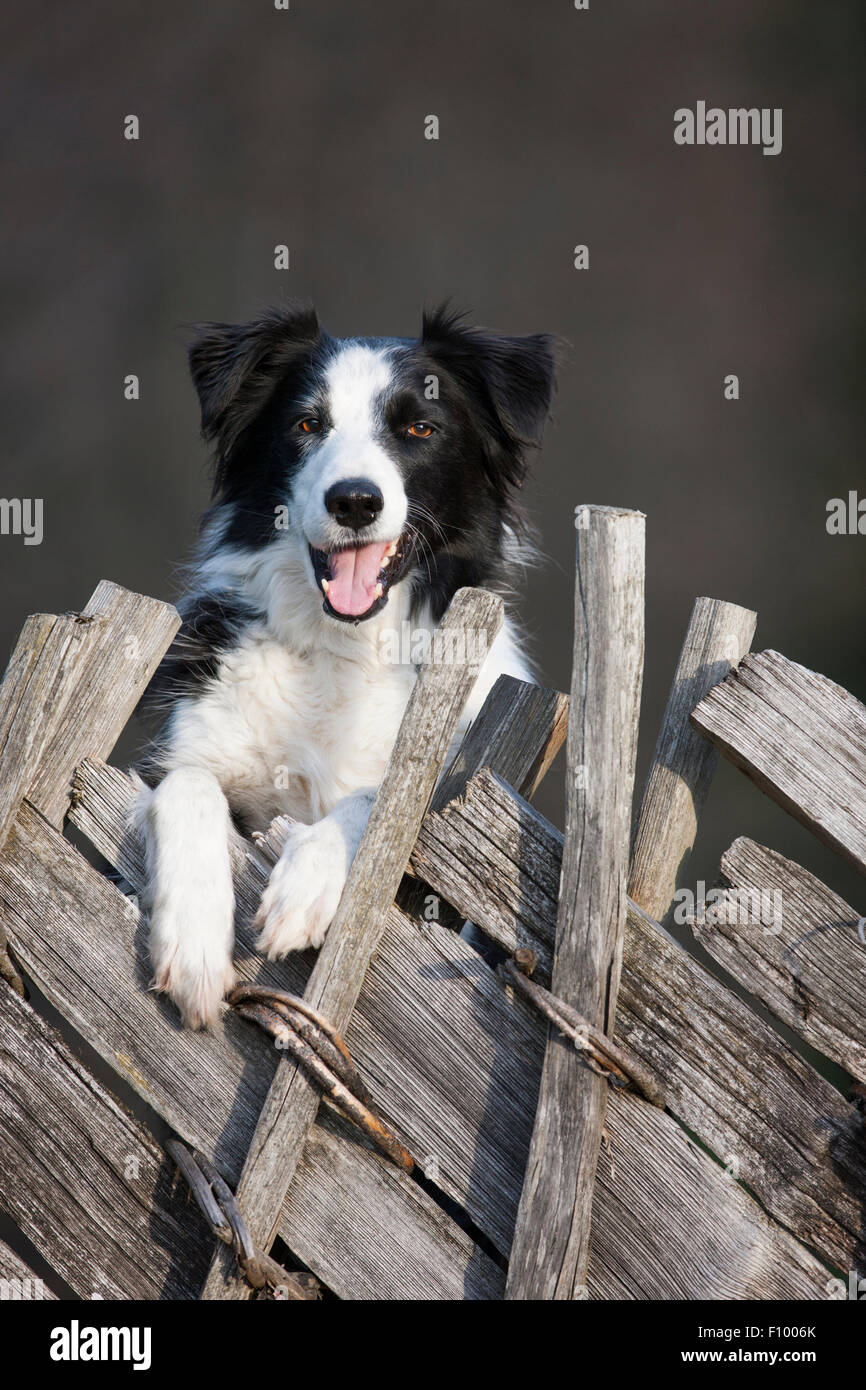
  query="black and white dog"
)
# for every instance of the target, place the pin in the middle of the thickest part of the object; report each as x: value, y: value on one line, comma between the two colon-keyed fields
x: 359, y: 483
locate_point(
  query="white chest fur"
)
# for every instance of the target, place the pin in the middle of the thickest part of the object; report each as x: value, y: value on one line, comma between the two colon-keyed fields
x: 292, y: 733
x: 304, y: 711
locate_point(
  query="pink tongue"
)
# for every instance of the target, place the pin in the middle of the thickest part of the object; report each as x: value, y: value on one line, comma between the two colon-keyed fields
x: 354, y: 576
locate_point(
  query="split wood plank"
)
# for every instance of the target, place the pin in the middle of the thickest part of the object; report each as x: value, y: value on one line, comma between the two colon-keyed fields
x: 551, y: 1245
x: 790, y: 1135
x: 717, y: 638
x: 796, y: 945
x: 83, y: 1179
x: 432, y: 715
x: 452, y: 1063
x: 801, y: 738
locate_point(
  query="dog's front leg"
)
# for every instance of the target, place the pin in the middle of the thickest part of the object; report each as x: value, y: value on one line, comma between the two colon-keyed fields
x: 306, y: 883
x: 189, y: 895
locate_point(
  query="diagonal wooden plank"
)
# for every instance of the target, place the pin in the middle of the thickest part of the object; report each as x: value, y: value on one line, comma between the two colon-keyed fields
x: 796, y: 945
x: 498, y: 861
x: 451, y: 1062
x: 431, y: 718
x: 86, y: 1182
x: 551, y: 1245
x: 668, y: 1224
x: 718, y: 636
x: 801, y: 738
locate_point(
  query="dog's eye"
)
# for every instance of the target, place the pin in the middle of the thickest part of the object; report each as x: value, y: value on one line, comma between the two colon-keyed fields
x: 420, y: 430
x: 311, y: 424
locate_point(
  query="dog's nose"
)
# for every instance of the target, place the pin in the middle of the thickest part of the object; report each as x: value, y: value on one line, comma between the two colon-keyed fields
x: 354, y: 502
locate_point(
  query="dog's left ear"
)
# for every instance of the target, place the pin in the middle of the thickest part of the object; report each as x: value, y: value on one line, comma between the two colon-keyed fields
x: 513, y: 379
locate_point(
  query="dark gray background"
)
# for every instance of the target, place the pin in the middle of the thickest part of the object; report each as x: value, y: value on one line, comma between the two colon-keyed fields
x: 306, y: 127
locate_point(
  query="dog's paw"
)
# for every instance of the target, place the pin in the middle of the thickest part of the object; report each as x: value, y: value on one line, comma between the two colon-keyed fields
x: 304, y: 890
x: 192, y: 964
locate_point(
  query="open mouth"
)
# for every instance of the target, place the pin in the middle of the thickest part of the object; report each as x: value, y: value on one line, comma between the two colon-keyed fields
x: 355, y: 580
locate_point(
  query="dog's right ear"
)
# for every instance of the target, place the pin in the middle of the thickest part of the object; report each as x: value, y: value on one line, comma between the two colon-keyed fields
x: 235, y: 367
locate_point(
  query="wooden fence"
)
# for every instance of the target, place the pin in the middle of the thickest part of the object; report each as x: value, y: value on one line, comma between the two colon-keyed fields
x: 750, y: 1181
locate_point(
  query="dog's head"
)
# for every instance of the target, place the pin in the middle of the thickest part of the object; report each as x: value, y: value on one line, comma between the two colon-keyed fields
x: 391, y: 457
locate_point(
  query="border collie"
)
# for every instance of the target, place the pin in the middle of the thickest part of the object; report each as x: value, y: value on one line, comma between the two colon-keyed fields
x: 359, y: 482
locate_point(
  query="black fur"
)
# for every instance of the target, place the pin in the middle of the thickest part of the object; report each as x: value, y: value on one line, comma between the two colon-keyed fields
x: 494, y: 395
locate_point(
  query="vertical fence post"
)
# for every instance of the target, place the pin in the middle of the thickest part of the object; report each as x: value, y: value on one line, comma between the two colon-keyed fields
x: 551, y: 1243
x: 717, y: 638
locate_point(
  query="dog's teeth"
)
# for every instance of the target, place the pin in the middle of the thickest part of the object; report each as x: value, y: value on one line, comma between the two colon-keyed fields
x: 392, y: 550
x: 325, y: 585
x: 380, y: 589
x: 386, y: 562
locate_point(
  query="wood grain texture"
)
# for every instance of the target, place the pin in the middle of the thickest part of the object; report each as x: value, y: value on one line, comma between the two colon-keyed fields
x: 70, y: 688
x: 498, y: 861
x: 717, y: 637
x: 790, y: 1135
x: 669, y: 1224
x: 453, y: 1064
x: 83, y: 1180
x: 346, y: 1206
x: 518, y: 732
x: 85, y: 945
x: 45, y: 654
x: 551, y: 1245
x: 19, y: 1279
x: 772, y: 1120
x: 801, y: 738
x: 806, y: 960
x: 419, y: 752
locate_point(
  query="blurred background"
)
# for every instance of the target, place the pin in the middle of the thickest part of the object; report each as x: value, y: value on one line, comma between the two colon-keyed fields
x: 306, y: 127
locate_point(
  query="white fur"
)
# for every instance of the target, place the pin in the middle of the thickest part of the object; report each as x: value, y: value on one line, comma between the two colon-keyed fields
x: 186, y: 826
x: 304, y: 890
x: 300, y: 720
x: 356, y: 379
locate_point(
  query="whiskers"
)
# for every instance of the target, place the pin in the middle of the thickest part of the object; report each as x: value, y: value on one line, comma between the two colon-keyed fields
x: 417, y: 512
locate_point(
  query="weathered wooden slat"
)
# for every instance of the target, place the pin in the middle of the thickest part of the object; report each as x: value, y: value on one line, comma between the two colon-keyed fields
x: 346, y: 1207
x: 518, y: 732
x: 54, y: 705
x: 791, y: 1136
x: 85, y: 946
x: 18, y: 1281
x: 801, y: 738
x: 83, y: 1179
x: 717, y: 637
x: 127, y: 636
x: 777, y: 1125
x: 419, y: 752
x: 451, y: 1062
x: 668, y: 1224
x: 469, y: 851
x: 794, y: 944
x: 40, y: 664
x: 551, y: 1243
